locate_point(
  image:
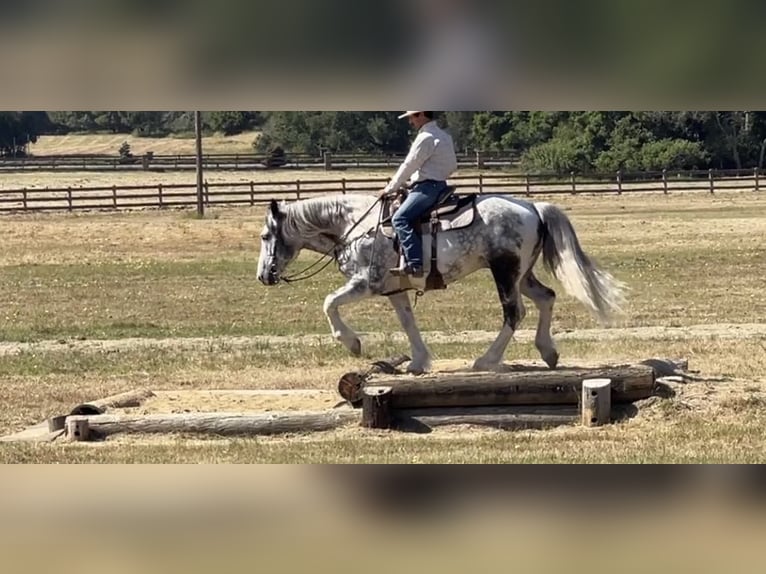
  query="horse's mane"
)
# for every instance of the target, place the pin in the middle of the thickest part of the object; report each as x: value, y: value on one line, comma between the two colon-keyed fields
x: 331, y: 214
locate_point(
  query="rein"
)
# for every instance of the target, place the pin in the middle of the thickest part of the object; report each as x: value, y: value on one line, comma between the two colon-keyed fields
x: 338, y: 243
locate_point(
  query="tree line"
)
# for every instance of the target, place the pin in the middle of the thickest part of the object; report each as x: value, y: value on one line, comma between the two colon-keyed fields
x: 554, y: 142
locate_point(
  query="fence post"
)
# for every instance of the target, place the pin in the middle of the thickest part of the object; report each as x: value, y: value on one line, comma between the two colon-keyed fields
x: 159, y: 195
x: 69, y: 197
x: 665, y: 180
x: 252, y: 193
x: 710, y: 178
x: 114, y: 196
x: 207, y: 193
x: 479, y: 160
x: 297, y: 189
x: 327, y: 161
x: 755, y: 173
x: 343, y: 185
x: 236, y: 161
x: 481, y: 184
x: 574, y: 187
x: 619, y: 182
x: 24, y: 198
x: 526, y: 183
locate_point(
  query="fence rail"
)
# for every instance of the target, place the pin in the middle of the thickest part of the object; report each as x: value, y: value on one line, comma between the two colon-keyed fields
x: 235, y: 162
x: 244, y: 193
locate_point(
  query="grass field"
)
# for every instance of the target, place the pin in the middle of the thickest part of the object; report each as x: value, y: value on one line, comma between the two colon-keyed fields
x: 110, y: 144
x: 97, y: 303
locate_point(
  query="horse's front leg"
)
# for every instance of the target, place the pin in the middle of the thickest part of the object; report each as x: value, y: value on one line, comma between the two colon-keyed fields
x: 421, y: 356
x: 354, y: 290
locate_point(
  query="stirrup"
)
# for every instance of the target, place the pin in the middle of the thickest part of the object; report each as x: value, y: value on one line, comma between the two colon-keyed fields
x: 407, y: 270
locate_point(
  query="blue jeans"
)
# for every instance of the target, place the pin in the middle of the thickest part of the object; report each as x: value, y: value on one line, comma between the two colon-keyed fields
x: 423, y: 197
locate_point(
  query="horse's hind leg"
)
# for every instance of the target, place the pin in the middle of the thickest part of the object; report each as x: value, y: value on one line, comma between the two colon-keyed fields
x: 544, y: 298
x: 505, y: 270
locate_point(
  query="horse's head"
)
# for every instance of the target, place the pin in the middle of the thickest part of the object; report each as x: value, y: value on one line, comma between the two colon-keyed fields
x: 277, y: 249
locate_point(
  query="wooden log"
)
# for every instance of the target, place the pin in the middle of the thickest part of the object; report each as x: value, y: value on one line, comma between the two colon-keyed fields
x: 553, y: 387
x: 350, y: 384
x: 506, y: 418
x: 78, y: 428
x: 376, y: 407
x: 596, y: 402
x: 218, y: 423
x: 57, y: 423
x: 121, y: 400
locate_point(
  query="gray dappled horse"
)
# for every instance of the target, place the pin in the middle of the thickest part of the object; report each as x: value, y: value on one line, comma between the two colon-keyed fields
x: 500, y: 232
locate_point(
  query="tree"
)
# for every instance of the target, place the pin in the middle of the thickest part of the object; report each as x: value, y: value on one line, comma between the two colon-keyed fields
x: 18, y: 130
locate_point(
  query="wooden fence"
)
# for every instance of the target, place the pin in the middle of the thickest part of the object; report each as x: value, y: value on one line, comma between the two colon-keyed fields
x: 235, y: 162
x: 244, y: 193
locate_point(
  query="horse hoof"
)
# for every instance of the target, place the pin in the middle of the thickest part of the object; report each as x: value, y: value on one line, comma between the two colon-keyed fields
x: 417, y: 370
x: 485, y: 367
x: 551, y: 359
x: 356, y: 348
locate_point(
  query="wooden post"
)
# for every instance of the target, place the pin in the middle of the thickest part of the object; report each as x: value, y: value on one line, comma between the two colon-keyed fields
x: 69, y: 197
x: 198, y: 149
x: 619, y: 182
x: 710, y: 177
x: 481, y: 184
x: 596, y: 402
x: 24, y: 198
x: 343, y: 185
x: 207, y: 193
x: 252, y: 193
x: 327, y: 160
x: 376, y: 407
x: 665, y: 180
x: 755, y: 174
x: 297, y: 189
x: 114, y: 196
x: 479, y: 160
x: 159, y: 191
x: 77, y: 429
x: 574, y: 187
x: 526, y: 184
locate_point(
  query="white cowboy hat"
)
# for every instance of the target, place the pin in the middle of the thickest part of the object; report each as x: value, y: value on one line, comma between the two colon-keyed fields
x: 406, y: 114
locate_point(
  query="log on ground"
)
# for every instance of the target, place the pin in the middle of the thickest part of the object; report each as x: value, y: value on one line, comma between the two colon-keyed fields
x: 219, y: 423
x: 553, y: 387
x: 506, y: 418
x: 127, y: 399
x: 350, y: 384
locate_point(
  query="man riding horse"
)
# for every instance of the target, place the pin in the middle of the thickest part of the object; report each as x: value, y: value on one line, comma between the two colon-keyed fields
x: 430, y: 161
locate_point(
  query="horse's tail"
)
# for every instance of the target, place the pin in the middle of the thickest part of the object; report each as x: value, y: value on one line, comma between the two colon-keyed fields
x: 578, y: 273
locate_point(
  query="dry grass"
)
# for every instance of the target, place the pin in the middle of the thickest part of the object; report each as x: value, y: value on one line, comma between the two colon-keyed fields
x: 689, y: 260
x: 110, y: 144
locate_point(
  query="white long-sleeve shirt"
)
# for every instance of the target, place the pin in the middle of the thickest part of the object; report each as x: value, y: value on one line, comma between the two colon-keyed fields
x: 431, y: 156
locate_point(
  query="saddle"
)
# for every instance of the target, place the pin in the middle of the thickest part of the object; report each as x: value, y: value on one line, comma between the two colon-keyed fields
x: 440, y: 217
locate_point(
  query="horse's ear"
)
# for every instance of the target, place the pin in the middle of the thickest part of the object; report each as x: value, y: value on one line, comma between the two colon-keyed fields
x: 274, y: 207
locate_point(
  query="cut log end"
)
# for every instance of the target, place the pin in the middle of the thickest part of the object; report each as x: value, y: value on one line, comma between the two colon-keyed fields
x: 596, y: 402
x: 376, y: 407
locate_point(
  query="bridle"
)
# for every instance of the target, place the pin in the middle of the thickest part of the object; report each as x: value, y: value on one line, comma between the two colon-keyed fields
x: 333, y: 253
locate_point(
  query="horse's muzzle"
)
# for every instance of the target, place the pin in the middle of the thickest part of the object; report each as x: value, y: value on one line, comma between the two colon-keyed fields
x: 271, y: 277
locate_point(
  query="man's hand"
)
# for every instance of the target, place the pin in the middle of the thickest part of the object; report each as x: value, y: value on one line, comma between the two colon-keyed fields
x: 385, y: 194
